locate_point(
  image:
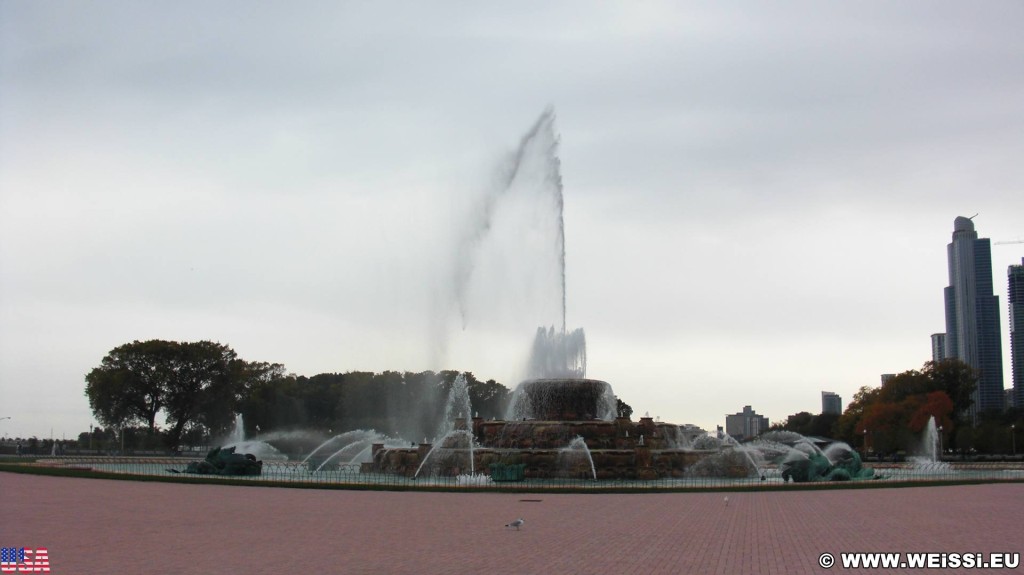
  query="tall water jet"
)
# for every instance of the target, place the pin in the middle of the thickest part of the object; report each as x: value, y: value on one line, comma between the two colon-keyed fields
x: 508, y: 272
x: 929, y: 452
x: 237, y: 434
x: 457, y: 409
x: 533, y: 169
x: 930, y: 442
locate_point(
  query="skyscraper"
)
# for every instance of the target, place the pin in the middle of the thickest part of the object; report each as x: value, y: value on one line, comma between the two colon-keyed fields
x: 1015, y: 294
x: 938, y: 347
x: 972, y: 314
x: 831, y: 403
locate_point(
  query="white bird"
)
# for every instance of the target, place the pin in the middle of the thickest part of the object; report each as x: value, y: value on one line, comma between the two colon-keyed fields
x: 517, y: 523
x: 726, y: 500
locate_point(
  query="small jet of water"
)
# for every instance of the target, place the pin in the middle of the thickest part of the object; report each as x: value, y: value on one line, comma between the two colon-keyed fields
x: 726, y: 500
x: 517, y: 523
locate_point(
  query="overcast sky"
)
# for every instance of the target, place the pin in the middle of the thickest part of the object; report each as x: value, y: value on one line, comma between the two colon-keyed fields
x: 758, y: 196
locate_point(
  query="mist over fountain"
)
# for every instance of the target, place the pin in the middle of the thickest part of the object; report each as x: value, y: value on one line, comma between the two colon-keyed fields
x: 559, y: 423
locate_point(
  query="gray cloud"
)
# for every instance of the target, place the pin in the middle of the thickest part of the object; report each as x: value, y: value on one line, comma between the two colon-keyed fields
x: 757, y: 197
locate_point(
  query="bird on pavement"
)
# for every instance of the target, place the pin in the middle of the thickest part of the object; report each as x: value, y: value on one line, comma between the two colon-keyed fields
x: 517, y: 523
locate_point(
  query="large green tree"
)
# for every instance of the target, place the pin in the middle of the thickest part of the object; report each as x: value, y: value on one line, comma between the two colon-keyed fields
x: 130, y: 385
x: 194, y: 384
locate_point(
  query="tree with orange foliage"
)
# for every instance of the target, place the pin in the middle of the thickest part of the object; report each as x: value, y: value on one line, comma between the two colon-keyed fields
x: 896, y: 413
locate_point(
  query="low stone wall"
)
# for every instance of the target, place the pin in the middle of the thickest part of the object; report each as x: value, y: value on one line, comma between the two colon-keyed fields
x: 619, y: 449
x: 608, y: 464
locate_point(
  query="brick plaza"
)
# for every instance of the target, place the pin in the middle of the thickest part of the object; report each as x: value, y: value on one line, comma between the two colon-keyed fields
x: 98, y: 526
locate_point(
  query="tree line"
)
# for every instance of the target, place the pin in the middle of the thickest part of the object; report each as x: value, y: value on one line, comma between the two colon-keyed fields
x: 892, y: 417
x: 199, y: 387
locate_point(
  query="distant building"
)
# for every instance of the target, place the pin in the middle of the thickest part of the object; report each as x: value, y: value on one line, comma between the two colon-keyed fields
x: 831, y: 403
x: 972, y: 314
x: 1015, y: 295
x: 938, y: 347
x: 886, y: 377
x: 746, y: 424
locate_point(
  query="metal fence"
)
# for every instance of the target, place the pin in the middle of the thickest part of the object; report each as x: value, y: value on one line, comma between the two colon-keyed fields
x: 291, y: 473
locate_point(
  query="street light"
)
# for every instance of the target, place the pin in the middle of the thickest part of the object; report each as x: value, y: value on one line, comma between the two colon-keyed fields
x: 940, y: 444
x: 865, y: 442
x: 1013, y: 437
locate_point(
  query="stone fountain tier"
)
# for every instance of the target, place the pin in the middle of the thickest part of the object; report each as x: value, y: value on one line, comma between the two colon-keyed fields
x: 622, y: 433
x: 619, y: 449
x: 553, y: 419
x: 564, y: 400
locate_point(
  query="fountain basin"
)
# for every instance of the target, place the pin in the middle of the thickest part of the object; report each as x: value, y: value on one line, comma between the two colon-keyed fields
x: 564, y: 400
x: 562, y: 429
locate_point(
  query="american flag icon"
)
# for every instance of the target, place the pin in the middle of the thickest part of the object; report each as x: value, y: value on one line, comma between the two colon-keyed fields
x: 24, y: 560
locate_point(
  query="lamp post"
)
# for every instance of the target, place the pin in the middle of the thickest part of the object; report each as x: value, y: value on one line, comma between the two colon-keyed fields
x: 865, y: 442
x: 939, y: 454
x: 1013, y: 437
x: 90, y: 438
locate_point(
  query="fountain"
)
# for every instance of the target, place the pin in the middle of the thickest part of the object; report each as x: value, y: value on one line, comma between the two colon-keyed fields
x: 559, y: 424
x: 562, y: 399
x: 564, y: 424
x: 575, y: 459
x: 727, y: 458
x: 352, y: 453
x: 929, y: 453
x: 556, y: 414
x: 454, y: 444
x: 558, y: 354
x: 800, y: 460
x: 358, y: 437
x: 224, y: 461
x: 929, y: 450
x: 259, y: 448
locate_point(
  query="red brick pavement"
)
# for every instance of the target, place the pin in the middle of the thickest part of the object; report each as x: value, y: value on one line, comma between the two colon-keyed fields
x: 93, y: 526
